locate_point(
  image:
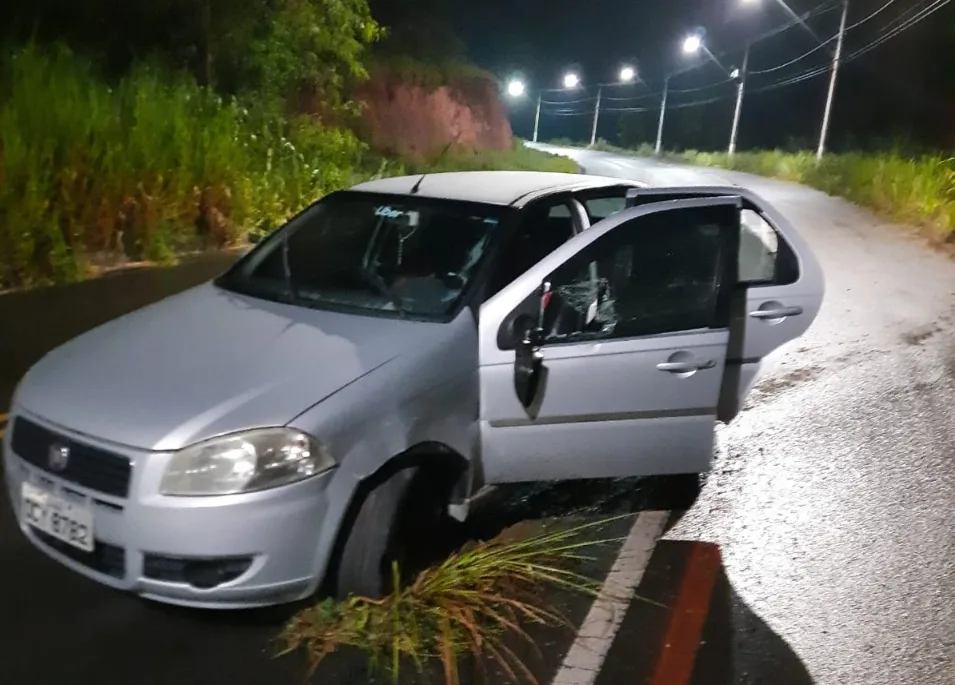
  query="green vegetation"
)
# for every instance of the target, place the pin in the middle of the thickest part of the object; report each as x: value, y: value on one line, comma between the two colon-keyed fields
x: 473, y: 605
x: 151, y: 165
x: 519, y: 158
x: 916, y: 190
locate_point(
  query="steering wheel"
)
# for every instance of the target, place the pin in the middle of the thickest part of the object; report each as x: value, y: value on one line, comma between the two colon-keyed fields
x: 454, y: 281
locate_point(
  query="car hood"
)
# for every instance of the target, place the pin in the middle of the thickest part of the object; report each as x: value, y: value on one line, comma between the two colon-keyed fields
x: 207, y: 362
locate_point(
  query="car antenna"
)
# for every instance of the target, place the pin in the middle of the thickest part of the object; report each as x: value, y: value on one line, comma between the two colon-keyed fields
x: 417, y: 184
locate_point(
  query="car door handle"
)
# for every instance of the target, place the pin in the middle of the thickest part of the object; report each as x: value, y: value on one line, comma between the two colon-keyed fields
x: 686, y: 367
x: 778, y: 313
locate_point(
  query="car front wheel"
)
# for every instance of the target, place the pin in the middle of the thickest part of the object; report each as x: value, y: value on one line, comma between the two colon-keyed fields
x: 397, y: 522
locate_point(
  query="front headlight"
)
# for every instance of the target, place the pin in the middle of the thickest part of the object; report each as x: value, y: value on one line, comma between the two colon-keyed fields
x: 244, y: 462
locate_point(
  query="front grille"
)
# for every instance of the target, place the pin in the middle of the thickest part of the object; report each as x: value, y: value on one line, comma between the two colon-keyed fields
x: 88, y: 466
x: 107, y: 559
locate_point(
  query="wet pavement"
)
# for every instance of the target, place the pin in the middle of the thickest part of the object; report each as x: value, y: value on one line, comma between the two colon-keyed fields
x: 832, y: 495
x: 818, y: 551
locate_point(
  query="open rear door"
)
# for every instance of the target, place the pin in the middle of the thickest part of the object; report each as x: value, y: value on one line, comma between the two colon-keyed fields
x: 779, y: 287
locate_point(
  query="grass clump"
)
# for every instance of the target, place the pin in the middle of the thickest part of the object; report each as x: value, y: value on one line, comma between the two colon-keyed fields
x: 467, y: 606
x: 916, y: 190
x: 518, y: 158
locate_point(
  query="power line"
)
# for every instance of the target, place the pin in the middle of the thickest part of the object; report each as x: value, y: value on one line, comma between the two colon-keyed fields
x: 681, y: 105
x: 630, y: 98
x: 567, y: 102
x: 889, y: 33
x: 699, y: 88
x: 797, y: 21
x: 904, y: 21
x: 923, y: 14
x: 569, y: 114
x: 630, y: 109
x: 824, y: 43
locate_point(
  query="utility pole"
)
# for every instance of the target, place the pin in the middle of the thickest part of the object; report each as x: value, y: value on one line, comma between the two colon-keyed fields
x: 593, y: 132
x: 537, y: 116
x: 740, y: 89
x: 663, y: 111
x: 836, y: 59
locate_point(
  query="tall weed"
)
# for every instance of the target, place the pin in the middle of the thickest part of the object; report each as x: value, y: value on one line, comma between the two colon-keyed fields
x: 93, y: 172
x: 918, y: 190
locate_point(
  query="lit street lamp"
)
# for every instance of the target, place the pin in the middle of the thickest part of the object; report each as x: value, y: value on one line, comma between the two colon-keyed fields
x: 692, y: 44
x: 515, y: 88
x: 571, y: 81
x: 627, y: 75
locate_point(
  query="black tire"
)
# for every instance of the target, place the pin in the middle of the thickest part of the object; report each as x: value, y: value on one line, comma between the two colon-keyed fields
x: 397, y: 513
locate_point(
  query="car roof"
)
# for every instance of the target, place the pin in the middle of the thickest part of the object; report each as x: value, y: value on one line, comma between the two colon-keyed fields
x: 491, y: 187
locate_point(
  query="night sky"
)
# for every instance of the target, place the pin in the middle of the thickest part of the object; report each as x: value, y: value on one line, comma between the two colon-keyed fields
x: 904, y: 89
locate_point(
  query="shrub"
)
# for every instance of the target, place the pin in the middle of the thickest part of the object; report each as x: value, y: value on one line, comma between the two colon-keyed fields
x: 94, y: 173
x: 466, y: 606
x: 144, y: 168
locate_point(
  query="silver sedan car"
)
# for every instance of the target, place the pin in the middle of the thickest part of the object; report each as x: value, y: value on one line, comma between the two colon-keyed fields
x: 320, y: 410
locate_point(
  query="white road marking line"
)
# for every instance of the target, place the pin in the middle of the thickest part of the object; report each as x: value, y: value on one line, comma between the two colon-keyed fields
x: 586, y: 655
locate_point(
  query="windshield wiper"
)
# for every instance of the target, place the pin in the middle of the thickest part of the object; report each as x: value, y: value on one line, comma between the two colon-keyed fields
x: 374, y: 279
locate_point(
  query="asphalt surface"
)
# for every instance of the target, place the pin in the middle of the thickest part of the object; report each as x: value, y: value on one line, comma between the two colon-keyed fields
x: 833, y: 493
x: 827, y: 549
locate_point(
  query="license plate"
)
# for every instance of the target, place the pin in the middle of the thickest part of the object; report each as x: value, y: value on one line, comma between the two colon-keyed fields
x: 67, y: 521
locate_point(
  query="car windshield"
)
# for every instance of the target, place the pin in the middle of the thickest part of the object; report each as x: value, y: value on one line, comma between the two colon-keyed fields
x: 391, y: 255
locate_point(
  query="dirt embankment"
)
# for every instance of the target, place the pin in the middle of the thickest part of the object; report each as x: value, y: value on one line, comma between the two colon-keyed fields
x: 415, y: 118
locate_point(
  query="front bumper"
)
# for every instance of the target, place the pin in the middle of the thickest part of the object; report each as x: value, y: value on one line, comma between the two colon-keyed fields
x: 227, y: 552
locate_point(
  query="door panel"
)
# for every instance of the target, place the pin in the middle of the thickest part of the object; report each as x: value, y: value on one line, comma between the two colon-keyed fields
x: 630, y: 381
x: 777, y: 271
x: 606, y: 410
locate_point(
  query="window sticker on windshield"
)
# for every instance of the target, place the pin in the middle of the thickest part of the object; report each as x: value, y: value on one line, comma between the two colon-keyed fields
x: 410, y: 218
x: 388, y: 212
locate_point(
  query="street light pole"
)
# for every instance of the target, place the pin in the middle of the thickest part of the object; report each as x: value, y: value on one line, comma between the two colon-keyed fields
x: 740, y: 88
x: 537, y: 116
x: 593, y: 132
x: 836, y: 59
x: 663, y: 111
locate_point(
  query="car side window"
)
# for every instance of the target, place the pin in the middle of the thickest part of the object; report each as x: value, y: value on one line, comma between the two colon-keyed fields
x: 659, y: 273
x: 599, y: 208
x: 543, y: 228
x: 758, y: 249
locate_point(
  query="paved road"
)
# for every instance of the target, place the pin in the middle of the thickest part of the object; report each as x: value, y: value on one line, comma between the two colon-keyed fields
x: 818, y: 552
x: 833, y: 495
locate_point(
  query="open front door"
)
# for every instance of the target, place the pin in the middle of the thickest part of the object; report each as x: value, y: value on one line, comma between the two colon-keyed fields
x: 779, y: 287
x: 627, y: 331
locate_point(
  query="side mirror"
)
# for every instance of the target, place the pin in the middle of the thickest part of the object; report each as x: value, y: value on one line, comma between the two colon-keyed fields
x: 528, y: 357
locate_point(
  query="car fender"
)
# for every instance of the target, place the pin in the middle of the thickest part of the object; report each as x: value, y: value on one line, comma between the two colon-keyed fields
x: 426, y: 397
